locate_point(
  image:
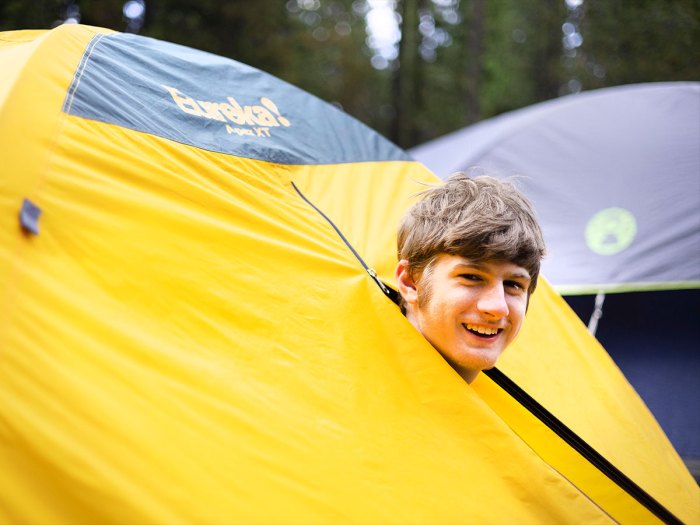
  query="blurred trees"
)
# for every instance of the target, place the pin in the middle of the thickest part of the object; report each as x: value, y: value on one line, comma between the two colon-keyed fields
x: 458, y: 61
x: 641, y: 41
x: 504, y: 55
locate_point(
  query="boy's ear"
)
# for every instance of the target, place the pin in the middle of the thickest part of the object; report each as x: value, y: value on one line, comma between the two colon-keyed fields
x: 405, y: 283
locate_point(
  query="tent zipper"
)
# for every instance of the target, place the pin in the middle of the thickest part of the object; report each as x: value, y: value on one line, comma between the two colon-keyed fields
x: 583, y: 448
x: 391, y: 294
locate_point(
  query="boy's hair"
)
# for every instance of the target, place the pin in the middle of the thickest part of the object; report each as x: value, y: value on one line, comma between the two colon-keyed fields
x: 481, y: 219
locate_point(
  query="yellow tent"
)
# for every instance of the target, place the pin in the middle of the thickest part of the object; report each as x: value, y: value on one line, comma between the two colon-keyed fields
x: 192, y: 330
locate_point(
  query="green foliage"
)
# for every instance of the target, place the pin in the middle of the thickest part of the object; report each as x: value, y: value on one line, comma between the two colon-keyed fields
x: 640, y: 41
x: 38, y: 14
x: 515, y: 64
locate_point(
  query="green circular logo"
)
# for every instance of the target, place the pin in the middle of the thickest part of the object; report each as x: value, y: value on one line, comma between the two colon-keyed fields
x: 610, y: 231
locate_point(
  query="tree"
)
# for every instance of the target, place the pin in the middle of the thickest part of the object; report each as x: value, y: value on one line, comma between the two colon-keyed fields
x: 405, y: 86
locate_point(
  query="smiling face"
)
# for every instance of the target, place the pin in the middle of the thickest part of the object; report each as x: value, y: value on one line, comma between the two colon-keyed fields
x: 469, y: 311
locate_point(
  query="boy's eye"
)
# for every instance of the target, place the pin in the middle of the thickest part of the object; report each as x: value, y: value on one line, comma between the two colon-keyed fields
x: 470, y: 277
x: 515, y: 285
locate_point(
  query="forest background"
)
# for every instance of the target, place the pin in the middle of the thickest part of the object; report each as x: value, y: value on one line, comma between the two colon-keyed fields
x: 414, y: 69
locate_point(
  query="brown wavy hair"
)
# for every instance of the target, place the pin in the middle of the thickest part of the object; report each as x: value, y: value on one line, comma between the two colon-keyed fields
x: 480, y: 218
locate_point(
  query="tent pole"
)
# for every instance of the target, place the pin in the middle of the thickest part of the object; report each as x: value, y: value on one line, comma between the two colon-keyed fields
x: 597, y: 312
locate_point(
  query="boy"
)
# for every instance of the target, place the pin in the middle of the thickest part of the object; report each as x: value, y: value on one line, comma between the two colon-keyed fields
x: 469, y: 258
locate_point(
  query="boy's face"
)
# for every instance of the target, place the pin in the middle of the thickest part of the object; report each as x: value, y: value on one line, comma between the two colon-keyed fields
x: 470, y: 312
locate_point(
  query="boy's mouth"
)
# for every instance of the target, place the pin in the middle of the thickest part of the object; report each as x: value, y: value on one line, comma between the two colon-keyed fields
x: 482, y: 331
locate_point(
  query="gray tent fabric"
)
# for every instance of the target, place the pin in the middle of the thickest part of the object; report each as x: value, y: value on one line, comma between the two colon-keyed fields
x: 614, y: 175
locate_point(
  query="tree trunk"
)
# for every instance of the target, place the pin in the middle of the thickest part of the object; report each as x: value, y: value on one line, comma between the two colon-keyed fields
x: 475, y: 51
x: 403, y: 132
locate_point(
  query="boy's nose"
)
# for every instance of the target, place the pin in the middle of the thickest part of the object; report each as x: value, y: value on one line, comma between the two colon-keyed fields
x: 493, y: 301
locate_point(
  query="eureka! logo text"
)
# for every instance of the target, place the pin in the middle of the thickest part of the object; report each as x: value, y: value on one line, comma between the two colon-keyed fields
x: 255, y: 120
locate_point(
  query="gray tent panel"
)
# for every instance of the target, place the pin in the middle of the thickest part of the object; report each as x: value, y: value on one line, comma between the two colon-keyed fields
x: 614, y: 175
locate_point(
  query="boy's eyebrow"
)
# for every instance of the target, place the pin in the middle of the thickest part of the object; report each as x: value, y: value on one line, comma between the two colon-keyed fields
x: 521, y: 275
x: 524, y: 274
x: 471, y: 265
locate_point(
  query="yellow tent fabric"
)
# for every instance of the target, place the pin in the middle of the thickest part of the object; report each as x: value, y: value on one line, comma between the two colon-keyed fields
x: 185, y: 339
x: 555, y: 359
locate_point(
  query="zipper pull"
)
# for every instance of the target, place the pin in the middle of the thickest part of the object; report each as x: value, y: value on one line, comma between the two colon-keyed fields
x: 391, y: 294
x: 374, y: 276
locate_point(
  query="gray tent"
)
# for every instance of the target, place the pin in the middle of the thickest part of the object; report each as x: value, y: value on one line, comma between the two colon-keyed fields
x: 614, y: 175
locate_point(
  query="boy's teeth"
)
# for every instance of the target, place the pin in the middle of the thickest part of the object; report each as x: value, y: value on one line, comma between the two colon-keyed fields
x: 482, y: 329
